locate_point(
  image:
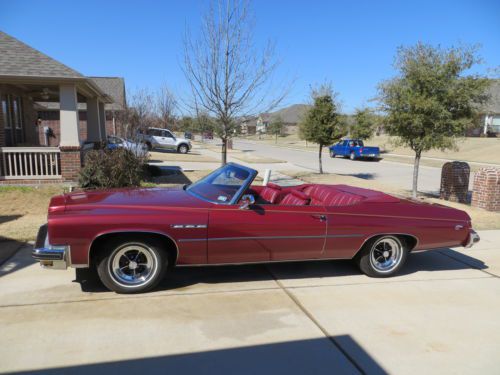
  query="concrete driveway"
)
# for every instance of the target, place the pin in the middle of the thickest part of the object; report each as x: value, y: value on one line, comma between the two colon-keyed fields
x: 439, y: 316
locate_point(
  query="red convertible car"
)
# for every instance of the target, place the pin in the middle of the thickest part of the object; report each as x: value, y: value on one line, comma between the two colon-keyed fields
x: 133, y: 236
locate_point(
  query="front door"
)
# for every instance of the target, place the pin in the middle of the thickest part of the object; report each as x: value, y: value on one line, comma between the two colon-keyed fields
x: 265, y: 233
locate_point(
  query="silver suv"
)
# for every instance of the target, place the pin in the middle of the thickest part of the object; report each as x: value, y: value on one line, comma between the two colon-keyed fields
x: 164, y: 138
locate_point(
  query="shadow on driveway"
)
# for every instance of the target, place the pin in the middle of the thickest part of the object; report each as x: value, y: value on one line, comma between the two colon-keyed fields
x: 311, y: 356
x: 184, y: 277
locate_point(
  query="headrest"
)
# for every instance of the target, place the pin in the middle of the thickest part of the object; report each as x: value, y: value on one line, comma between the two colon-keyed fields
x: 300, y: 195
x: 273, y: 186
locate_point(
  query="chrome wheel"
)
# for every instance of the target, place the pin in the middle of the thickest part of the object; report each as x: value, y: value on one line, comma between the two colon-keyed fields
x: 133, y: 265
x: 386, y: 254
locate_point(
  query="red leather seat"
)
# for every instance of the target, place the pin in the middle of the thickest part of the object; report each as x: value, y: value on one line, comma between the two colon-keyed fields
x: 270, y: 192
x: 323, y: 195
x: 295, y: 198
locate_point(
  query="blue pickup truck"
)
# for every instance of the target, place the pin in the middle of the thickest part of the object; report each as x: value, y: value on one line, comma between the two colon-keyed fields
x: 354, y: 149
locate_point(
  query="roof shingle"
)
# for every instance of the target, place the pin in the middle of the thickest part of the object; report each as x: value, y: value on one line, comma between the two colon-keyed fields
x: 20, y: 60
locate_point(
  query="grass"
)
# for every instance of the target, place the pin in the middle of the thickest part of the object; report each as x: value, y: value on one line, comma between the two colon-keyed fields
x: 472, y: 149
x: 23, y: 209
x: 194, y: 156
x: 481, y: 219
x: 247, y: 156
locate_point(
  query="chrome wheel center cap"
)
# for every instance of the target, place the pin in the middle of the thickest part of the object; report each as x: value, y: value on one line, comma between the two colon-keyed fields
x: 132, y: 265
x: 385, y: 254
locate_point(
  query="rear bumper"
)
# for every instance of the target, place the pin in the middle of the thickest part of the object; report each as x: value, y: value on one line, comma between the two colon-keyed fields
x: 49, y: 256
x: 472, y: 239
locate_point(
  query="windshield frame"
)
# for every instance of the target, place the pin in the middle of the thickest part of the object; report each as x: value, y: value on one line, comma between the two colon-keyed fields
x: 244, y: 186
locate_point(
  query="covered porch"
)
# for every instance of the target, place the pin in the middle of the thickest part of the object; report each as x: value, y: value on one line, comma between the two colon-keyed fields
x: 33, y: 150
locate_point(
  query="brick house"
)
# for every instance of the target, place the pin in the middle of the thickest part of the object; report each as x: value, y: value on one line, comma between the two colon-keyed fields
x: 49, y: 114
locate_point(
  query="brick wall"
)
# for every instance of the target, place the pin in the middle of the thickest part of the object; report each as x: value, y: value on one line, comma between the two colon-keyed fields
x: 51, y: 119
x: 486, y: 190
x: 71, y: 163
x: 455, y: 181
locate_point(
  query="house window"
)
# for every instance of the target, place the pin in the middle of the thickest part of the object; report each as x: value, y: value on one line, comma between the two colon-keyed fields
x: 5, y: 110
x: 13, y: 119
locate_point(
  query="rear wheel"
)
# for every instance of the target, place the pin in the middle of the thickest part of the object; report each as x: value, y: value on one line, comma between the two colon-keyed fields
x: 183, y: 149
x: 382, y: 256
x: 129, y: 266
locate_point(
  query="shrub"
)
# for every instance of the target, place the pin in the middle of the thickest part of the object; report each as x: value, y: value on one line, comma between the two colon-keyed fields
x: 111, y: 169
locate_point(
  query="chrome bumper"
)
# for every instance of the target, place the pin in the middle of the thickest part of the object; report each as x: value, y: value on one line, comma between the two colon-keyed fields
x: 472, y: 239
x: 49, y: 256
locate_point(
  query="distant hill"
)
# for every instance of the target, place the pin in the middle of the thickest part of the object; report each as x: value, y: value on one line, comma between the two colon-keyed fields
x: 291, y: 115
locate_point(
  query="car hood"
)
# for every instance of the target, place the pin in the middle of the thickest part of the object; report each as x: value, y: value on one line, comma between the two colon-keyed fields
x: 135, y: 197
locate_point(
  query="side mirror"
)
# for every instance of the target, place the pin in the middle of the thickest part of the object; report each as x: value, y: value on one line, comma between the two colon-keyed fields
x: 246, y: 201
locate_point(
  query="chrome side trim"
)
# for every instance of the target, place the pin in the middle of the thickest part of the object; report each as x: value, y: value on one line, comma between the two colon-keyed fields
x: 268, y: 237
x: 188, y: 226
x: 126, y: 232
x: 282, y: 237
x: 417, y: 241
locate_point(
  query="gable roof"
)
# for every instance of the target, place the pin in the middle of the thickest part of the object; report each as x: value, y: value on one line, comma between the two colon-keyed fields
x: 290, y: 115
x: 20, y: 60
x: 114, y: 87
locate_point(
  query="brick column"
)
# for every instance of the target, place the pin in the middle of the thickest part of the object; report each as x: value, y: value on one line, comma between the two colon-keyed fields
x: 486, y: 190
x: 71, y: 162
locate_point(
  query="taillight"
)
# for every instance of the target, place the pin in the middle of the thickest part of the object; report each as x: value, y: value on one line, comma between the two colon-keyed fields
x: 361, y: 149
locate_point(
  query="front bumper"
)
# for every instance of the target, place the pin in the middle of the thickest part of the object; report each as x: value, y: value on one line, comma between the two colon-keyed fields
x: 49, y: 256
x: 472, y: 239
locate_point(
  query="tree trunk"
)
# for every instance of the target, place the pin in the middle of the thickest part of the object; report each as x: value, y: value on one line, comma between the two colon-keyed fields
x: 320, y: 160
x: 276, y: 140
x: 415, y: 173
x: 224, y: 151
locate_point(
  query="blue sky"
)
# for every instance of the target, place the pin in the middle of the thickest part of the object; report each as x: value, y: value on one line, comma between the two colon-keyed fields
x: 350, y: 43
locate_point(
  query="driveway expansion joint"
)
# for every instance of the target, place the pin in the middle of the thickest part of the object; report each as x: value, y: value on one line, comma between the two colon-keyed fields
x: 315, y: 322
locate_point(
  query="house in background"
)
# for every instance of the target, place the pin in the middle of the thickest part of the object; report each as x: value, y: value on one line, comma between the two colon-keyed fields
x: 291, y: 117
x: 490, y: 112
x: 48, y: 112
x: 33, y: 84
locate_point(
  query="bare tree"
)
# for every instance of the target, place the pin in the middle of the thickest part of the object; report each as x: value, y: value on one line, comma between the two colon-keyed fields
x: 166, y: 104
x: 138, y: 114
x: 228, y: 77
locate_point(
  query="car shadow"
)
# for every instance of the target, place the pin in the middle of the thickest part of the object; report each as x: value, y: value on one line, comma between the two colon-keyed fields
x: 183, y: 277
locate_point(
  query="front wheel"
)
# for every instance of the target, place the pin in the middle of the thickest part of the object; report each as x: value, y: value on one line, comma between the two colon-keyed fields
x: 132, y: 266
x: 383, y: 256
x: 183, y: 149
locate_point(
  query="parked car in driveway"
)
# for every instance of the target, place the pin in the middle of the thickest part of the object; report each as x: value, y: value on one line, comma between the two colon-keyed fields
x: 164, y: 139
x: 114, y: 142
x: 132, y: 237
x: 354, y: 149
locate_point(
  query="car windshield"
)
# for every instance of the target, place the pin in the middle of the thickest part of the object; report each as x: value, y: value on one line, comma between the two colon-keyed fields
x: 224, y: 185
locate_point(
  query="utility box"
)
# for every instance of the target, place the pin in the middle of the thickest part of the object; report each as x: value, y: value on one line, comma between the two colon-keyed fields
x: 455, y: 181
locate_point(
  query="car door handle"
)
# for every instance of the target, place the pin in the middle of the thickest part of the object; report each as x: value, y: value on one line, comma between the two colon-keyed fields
x: 319, y: 217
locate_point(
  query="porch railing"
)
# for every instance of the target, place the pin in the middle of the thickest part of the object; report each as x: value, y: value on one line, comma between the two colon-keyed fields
x: 30, y: 163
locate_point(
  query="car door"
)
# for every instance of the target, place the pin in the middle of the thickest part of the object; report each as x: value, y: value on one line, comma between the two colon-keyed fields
x: 155, y: 137
x: 168, y: 139
x: 265, y: 233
